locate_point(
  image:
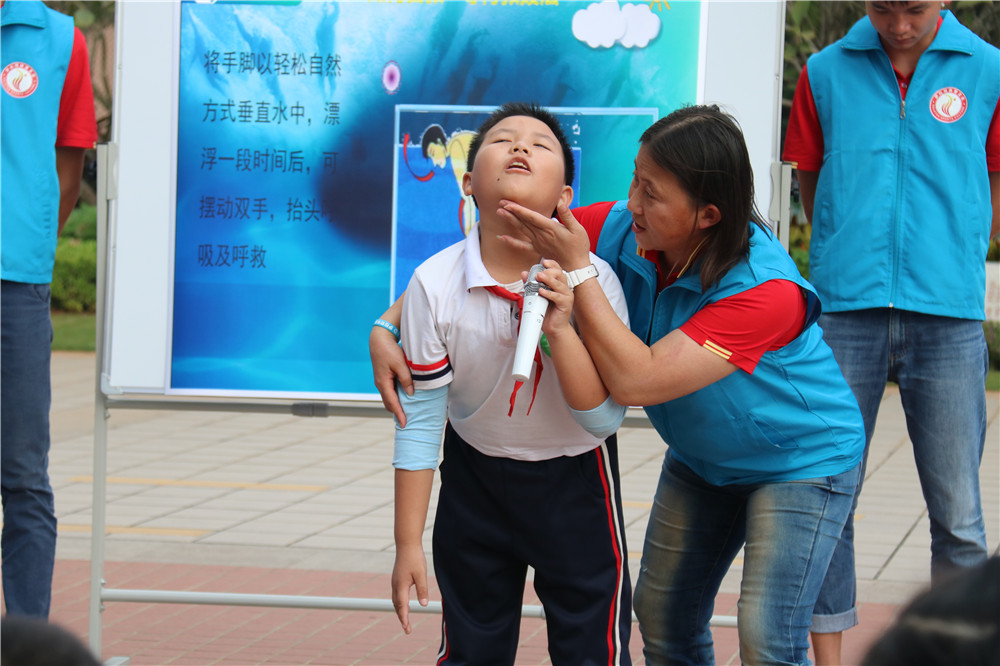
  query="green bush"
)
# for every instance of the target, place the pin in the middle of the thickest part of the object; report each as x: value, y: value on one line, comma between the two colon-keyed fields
x: 82, y: 223
x: 798, y: 246
x: 992, y: 331
x: 74, y: 280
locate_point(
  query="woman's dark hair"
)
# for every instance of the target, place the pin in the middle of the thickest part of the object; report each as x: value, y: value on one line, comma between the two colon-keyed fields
x: 531, y: 110
x: 703, y: 147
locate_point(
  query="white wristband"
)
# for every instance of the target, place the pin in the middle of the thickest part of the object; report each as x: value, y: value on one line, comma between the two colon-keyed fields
x: 573, y: 278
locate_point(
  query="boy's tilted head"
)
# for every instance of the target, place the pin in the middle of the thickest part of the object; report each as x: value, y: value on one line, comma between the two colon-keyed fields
x: 531, y: 110
x: 521, y: 154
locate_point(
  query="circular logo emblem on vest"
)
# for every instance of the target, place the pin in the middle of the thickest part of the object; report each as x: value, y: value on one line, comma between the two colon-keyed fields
x: 949, y: 104
x: 19, y: 79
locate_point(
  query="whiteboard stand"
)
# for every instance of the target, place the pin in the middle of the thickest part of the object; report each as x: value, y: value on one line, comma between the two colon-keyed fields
x: 781, y: 199
x: 106, y: 164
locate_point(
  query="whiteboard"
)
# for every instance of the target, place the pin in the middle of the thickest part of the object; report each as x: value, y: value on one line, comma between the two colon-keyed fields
x: 736, y: 63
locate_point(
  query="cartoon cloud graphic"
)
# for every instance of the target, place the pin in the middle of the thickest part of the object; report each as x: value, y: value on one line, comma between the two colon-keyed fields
x: 641, y: 26
x: 603, y: 24
x: 599, y: 25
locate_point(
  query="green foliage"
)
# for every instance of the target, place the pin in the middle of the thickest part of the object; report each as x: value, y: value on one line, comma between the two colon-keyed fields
x: 993, y: 254
x: 992, y: 331
x: 82, y: 223
x: 73, y: 331
x: 74, y: 280
x: 798, y: 246
x: 809, y: 26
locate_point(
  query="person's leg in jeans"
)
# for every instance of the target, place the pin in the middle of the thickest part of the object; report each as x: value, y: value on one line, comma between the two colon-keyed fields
x: 860, y: 343
x: 29, y: 521
x: 695, y: 531
x: 792, y: 530
x: 942, y: 364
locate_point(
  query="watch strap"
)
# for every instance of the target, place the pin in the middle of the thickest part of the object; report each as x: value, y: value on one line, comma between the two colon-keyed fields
x: 573, y: 278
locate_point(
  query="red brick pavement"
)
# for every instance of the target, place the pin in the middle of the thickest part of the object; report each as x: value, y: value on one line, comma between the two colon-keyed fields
x: 196, y: 635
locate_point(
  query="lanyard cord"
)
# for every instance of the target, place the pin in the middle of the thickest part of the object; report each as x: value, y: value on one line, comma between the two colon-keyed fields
x: 519, y: 300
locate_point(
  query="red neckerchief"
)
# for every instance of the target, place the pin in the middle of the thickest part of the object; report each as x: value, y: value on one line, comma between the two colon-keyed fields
x: 497, y: 290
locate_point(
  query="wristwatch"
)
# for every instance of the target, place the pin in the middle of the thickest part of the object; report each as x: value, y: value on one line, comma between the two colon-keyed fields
x: 574, y: 278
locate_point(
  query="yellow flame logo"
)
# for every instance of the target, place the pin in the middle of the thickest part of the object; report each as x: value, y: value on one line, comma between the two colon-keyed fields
x: 948, y: 103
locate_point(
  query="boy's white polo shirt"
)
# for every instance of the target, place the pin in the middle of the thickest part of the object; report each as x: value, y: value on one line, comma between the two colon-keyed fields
x: 455, y: 332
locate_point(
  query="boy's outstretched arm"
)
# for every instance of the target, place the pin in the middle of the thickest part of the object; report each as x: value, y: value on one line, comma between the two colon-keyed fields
x: 389, y: 363
x: 413, y: 493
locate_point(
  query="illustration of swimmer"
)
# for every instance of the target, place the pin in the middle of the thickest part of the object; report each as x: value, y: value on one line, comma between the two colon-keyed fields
x: 440, y: 148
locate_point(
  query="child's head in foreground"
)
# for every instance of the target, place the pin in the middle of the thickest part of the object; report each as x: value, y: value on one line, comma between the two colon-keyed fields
x: 520, y: 154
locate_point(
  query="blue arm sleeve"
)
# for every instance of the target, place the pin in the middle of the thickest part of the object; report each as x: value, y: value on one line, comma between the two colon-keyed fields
x: 601, y: 421
x: 417, y: 445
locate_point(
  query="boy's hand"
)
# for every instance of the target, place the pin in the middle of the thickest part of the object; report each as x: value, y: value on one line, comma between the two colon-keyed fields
x: 555, y: 289
x: 388, y: 367
x: 567, y: 242
x: 409, y: 570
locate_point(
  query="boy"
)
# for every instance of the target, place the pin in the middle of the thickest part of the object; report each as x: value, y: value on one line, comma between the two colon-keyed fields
x: 895, y: 132
x: 522, y: 483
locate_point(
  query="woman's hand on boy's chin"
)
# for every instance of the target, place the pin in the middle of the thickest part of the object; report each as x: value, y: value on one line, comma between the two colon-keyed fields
x: 566, y: 242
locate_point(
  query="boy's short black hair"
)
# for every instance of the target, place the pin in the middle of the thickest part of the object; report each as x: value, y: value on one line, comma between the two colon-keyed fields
x: 957, y: 621
x: 531, y: 110
x: 31, y: 641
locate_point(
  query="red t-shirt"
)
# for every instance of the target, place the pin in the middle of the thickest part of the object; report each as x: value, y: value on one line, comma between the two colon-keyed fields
x: 77, y: 124
x: 739, y: 328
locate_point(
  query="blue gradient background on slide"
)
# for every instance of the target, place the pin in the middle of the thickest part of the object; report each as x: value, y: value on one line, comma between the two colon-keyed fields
x: 291, y: 318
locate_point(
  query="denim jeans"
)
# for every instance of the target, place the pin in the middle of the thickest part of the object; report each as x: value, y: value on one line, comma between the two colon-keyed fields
x: 940, y: 365
x: 29, y: 521
x: 695, y: 531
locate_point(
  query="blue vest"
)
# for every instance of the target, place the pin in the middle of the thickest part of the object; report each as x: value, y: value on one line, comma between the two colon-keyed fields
x: 793, y: 418
x: 42, y: 38
x: 902, y: 211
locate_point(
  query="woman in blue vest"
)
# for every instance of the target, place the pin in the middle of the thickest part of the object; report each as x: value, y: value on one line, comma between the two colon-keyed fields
x: 764, y: 436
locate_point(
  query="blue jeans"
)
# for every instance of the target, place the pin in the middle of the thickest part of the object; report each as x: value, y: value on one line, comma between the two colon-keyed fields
x: 695, y: 531
x: 29, y: 520
x: 940, y: 365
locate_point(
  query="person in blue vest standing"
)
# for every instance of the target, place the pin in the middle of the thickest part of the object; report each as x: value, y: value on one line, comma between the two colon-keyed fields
x: 723, y: 351
x: 895, y: 135
x: 47, y: 115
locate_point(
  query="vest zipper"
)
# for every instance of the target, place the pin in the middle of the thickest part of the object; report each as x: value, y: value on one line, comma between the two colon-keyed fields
x: 900, y: 164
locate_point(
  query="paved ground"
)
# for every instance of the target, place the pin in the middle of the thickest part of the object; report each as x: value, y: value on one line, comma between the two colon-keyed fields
x: 272, y: 504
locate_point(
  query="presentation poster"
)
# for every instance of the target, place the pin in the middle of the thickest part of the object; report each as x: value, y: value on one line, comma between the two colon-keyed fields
x: 320, y: 146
